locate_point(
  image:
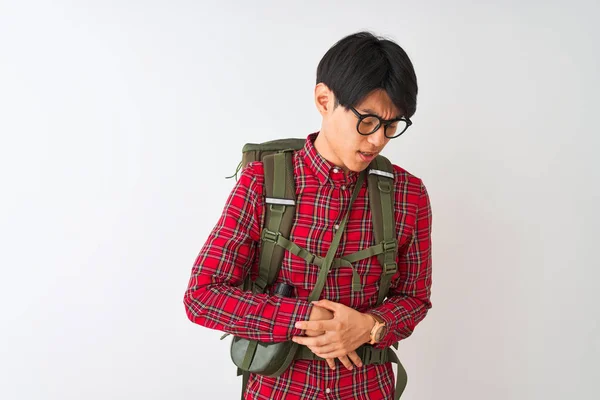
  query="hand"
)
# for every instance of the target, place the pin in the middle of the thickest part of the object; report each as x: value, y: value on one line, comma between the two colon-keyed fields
x: 346, y: 360
x: 343, y: 334
x: 322, y: 314
x: 318, y: 314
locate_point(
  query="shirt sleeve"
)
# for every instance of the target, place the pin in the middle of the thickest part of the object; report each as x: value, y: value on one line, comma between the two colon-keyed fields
x: 409, y: 298
x: 213, y: 298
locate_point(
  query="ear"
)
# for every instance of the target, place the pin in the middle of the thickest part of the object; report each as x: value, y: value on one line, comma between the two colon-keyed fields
x: 324, y: 99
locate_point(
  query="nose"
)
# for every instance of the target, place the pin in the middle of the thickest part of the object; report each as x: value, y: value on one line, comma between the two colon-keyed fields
x: 377, y: 138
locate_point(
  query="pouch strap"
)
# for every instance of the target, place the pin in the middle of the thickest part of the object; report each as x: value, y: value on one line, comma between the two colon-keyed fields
x: 245, y: 379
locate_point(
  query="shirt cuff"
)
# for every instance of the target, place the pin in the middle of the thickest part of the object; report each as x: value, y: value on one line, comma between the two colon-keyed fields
x: 289, y: 312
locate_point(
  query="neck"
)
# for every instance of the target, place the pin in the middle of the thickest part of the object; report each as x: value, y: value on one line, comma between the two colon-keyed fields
x: 323, y: 147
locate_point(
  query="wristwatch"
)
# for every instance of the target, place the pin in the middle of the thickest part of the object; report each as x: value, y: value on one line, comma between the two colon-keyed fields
x: 378, y: 331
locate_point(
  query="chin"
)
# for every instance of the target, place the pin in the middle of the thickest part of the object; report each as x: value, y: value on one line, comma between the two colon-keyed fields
x: 357, y: 167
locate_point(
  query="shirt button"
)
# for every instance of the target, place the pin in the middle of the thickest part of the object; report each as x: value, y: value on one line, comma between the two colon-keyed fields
x: 343, y: 187
x: 336, y: 227
x: 336, y: 170
x: 327, y: 390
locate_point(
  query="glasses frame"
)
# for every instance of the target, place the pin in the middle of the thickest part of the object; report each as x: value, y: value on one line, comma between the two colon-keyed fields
x: 385, y: 122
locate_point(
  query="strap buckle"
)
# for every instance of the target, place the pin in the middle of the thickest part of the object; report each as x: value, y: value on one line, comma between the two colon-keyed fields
x: 259, y: 285
x: 390, y: 268
x: 389, y: 245
x: 366, y: 356
x: 372, y: 356
x: 270, y: 236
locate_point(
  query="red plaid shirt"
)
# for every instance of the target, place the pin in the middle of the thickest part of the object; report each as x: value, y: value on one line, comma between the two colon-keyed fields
x: 323, y: 193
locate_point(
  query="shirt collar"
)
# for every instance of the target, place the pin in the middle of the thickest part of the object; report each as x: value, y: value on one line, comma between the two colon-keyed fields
x: 325, y: 171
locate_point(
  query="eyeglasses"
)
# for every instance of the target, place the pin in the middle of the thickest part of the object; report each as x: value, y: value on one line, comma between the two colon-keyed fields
x: 370, y: 123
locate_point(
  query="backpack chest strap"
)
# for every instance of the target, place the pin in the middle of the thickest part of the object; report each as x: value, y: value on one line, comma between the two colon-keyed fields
x: 345, y: 261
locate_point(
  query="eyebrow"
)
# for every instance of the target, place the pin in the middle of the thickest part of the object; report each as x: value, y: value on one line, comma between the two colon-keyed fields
x: 369, y: 111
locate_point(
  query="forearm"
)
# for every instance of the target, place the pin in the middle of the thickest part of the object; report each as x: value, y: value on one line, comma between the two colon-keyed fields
x: 261, y: 317
x: 213, y: 297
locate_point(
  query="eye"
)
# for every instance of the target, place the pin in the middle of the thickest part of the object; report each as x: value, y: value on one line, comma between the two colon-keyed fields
x: 370, y: 121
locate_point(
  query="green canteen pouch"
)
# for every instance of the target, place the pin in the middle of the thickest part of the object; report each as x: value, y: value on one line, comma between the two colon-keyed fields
x: 270, y: 359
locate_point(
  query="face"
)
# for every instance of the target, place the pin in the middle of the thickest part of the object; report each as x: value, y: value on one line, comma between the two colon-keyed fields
x: 339, y: 142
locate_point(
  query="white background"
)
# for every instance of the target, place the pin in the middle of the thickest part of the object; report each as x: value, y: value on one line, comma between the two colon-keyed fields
x: 120, y: 119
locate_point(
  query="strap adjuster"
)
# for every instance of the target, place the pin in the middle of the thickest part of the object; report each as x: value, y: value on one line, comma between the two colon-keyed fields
x: 390, y: 268
x: 389, y: 246
x: 259, y: 285
x: 270, y: 236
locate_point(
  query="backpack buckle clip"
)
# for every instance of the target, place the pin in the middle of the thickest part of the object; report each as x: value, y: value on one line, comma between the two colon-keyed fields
x: 366, y: 356
x: 389, y: 245
x: 372, y: 356
x: 390, y: 268
x: 270, y: 236
x: 259, y: 285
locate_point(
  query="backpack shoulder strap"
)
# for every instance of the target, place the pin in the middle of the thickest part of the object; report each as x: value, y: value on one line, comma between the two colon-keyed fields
x: 381, y: 200
x: 280, y: 206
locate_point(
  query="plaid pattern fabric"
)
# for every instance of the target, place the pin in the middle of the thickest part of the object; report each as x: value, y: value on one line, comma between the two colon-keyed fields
x: 323, y: 193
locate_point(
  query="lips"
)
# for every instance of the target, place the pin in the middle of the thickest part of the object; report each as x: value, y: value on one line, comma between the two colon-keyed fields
x: 367, y: 156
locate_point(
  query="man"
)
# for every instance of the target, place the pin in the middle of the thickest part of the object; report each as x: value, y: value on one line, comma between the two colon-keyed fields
x: 366, y: 93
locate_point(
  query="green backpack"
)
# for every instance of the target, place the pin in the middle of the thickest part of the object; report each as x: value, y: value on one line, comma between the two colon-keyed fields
x: 272, y: 359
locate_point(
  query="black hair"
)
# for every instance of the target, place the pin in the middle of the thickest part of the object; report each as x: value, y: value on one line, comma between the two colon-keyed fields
x: 363, y: 62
